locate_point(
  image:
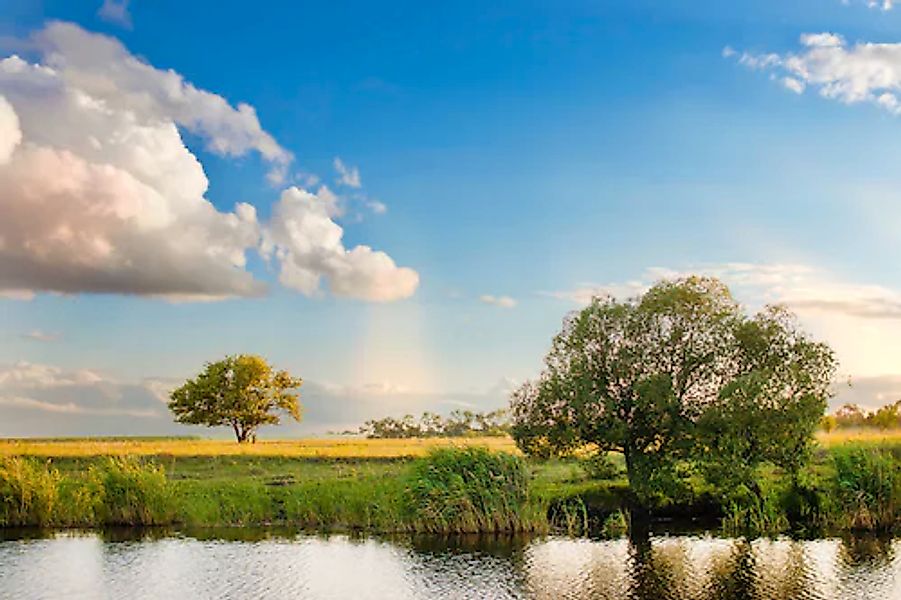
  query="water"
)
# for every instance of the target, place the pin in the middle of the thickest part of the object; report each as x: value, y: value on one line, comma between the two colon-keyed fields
x: 92, y: 566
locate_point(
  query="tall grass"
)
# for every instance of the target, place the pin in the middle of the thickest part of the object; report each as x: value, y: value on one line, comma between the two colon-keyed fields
x: 29, y: 493
x: 131, y: 492
x: 755, y: 516
x: 118, y: 491
x: 868, y: 487
x: 468, y: 490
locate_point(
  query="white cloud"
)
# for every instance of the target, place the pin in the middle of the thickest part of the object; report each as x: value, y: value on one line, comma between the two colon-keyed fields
x: 52, y: 389
x: 793, y: 84
x: 851, y: 74
x: 349, y: 176
x: 10, y: 134
x: 308, y: 245
x: 100, y: 194
x: 499, y: 301
x: 39, y: 335
x: 822, y: 40
x: 377, y: 207
x: 115, y: 11
x: 880, y: 4
x: 102, y: 68
x: 800, y: 287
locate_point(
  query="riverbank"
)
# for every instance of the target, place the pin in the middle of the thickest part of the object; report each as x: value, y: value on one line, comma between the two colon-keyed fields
x: 365, y: 485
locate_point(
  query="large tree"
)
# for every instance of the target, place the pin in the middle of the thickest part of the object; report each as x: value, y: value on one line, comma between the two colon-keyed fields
x: 770, y: 408
x: 640, y: 376
x: 242, y: 392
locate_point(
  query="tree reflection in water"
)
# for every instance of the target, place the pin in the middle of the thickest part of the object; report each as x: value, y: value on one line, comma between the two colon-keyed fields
x: 269, y: 563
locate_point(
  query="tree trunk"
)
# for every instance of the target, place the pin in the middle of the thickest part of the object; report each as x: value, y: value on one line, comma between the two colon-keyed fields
x: 630, y: 466
x: 241, y: 433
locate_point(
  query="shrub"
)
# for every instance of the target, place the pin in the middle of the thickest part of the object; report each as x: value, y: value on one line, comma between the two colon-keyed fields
x: 464, y: 490
x: 28, y: 492
x: 131, y: 493
x: 599, y: 466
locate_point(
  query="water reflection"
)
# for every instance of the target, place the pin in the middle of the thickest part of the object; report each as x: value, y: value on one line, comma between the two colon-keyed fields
x: 279, y: 564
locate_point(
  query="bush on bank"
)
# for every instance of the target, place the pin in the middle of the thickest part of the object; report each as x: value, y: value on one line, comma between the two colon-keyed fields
x: 470, y: 490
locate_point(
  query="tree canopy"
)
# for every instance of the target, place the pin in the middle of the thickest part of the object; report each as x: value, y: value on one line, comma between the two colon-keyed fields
x: 679, y: 373
x: 243, y: 392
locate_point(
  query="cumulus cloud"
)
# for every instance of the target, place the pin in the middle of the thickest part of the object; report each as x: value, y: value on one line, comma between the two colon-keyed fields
x: 115, y: 11
x: 10, y: 134
x: 348, y: 176
x: 99, y: 193
x: 862, y: 72
x: 308, y: 246
x: 499, y: 301
x: 102, y: 68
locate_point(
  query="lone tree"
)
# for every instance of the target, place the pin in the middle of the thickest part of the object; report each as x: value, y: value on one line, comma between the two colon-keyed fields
x: 243, y: 392
x: 678, y: 374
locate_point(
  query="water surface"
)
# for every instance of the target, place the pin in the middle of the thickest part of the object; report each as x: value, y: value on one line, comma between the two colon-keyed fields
x: 91, y: 565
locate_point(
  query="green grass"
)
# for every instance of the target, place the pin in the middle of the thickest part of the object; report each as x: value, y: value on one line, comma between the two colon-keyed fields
x: 470, y: 490
x: 316, y: 494
x: 387, y: 488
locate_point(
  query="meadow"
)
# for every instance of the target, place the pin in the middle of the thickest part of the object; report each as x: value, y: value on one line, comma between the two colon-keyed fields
x: 310, y: 448
x: 389, y: 485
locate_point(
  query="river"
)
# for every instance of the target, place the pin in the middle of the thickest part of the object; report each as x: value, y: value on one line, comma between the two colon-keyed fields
x: 255, y: 564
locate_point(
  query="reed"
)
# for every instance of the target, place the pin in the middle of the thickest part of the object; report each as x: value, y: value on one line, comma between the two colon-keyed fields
x: 470, y: 490
x: 29, y: 492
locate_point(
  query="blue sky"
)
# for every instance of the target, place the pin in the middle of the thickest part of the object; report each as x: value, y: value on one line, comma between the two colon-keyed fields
x: 527, y: 154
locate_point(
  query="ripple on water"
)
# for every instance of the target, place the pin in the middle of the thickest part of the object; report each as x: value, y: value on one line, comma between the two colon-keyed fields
x: 660, y: 568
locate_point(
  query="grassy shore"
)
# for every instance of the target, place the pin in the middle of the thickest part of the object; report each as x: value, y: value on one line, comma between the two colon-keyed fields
x: 322, y: 484
x: 350, y: 484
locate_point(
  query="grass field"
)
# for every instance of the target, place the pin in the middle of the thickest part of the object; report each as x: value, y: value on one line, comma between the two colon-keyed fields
x: 318, y: 448
x: 860, y: 436
x: 301, y: 448
x: 317, y: 483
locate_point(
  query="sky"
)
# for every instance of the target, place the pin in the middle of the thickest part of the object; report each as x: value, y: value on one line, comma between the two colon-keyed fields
x: 401, y: 203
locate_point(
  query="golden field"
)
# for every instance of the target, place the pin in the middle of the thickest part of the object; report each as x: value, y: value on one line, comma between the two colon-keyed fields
x: 318, y: 447
x: 859, y: 436
x: 299, y: 448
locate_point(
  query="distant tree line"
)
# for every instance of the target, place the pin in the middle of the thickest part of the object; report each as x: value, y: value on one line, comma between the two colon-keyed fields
x: 853, y: 416
x: 459, y: 423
